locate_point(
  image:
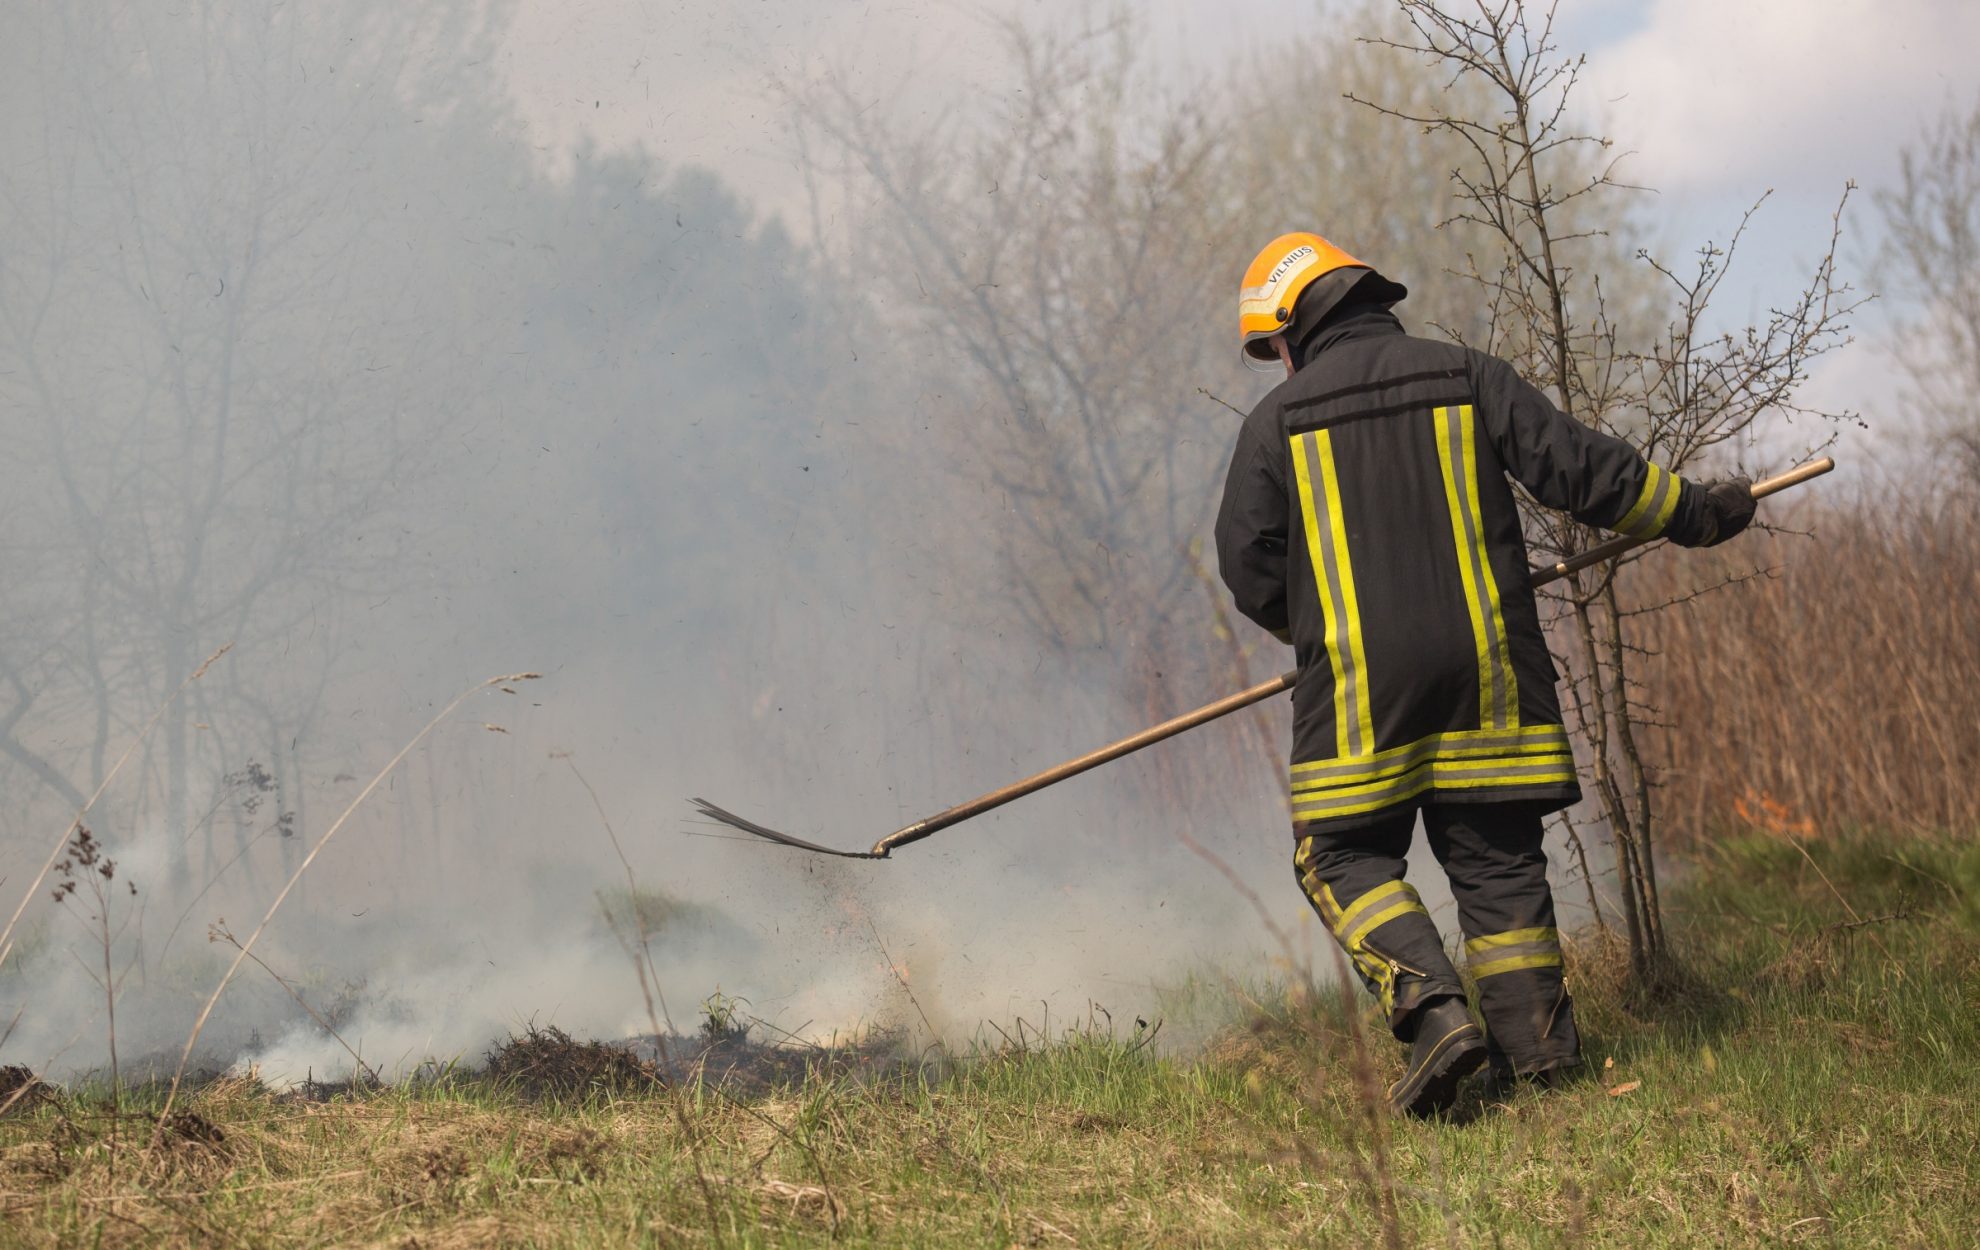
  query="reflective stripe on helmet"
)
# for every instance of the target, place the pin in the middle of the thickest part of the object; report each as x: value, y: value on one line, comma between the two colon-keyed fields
x: 1274, y: 281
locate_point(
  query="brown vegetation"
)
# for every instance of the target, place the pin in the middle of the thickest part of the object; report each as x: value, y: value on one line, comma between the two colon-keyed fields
x: 1833, y: 688
x: 549, y: 1063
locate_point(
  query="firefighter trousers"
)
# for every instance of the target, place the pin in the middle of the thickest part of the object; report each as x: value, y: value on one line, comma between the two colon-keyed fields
x: 1498, y: 876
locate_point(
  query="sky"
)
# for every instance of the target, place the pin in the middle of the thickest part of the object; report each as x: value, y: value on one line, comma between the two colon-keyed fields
x: 1717, y: 103
x: 1722, y: 102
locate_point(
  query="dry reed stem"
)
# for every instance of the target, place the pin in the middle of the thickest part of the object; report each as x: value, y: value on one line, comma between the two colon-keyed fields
x: 1377, y: 1172
x: 7, y: 934
x: 199, y: 1024
x: 649, y: 988
x: 1837, y: 692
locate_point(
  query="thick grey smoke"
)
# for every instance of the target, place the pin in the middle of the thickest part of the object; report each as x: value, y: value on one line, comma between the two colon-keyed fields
x: 309, y: 345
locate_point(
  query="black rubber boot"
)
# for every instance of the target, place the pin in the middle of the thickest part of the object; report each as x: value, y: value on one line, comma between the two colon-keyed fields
x: 1448, y: 1047
x: 1501, y: 1085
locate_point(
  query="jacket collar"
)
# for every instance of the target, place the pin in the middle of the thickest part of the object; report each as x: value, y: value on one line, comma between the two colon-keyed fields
x: 1354, y: 321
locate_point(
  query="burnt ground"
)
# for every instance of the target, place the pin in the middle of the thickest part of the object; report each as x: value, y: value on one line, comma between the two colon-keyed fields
x: 546, y: 1064
x: 21, y: 1089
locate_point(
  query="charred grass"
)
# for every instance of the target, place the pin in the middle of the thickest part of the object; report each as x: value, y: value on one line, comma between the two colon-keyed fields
x: 1805, y: 1076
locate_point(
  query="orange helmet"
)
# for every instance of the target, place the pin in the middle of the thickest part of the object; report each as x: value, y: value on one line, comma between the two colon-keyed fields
x: 1279, y: 276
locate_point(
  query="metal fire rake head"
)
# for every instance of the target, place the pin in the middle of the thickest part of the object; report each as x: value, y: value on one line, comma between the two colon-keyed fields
x: 763, y: 831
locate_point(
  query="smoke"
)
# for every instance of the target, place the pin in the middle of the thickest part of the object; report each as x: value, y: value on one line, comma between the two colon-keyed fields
x: 308, y: 344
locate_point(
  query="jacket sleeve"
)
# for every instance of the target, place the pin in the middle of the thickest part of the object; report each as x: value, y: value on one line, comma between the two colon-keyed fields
x: 1597, y: 478
x: 1251, y: 532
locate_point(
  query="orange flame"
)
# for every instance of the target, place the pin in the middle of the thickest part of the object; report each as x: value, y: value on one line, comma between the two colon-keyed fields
x: 1768, y: 814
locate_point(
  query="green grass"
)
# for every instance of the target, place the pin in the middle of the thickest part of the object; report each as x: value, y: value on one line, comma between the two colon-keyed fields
x: 1797, y: 1082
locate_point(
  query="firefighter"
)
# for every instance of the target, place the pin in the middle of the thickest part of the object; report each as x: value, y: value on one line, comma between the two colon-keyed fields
x: 1368, y: 521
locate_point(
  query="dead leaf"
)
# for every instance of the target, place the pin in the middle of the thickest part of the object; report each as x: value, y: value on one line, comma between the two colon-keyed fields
x: 1617, y: 1091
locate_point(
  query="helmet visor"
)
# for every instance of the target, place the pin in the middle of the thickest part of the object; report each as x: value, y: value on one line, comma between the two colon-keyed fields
x: 1260, y: 356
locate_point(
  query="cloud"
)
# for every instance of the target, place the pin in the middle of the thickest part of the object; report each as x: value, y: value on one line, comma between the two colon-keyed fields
x: 1781, y: 92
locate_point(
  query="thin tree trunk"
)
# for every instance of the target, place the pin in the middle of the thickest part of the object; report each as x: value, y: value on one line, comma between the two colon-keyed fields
x: 1639, y: 775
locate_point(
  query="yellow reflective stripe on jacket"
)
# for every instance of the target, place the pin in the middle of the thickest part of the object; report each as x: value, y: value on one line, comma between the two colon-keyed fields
x: 1537, y: 756
x: 1457, y: 458
x: 1556, y: 771
x: 1455, y: 742
x: 1333, y: 574
x: 1511, y: 951
x: 1351, y: 773
x: 1445, y: 771
x: 1652, y: 510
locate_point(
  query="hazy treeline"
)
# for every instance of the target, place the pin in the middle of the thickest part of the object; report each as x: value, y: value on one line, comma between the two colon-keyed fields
x: 300, y: 350
x: 295, y: 330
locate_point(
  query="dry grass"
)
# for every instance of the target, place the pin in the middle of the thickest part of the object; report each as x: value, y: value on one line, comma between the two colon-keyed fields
x: 1838, y: 690
x: 1804, y: 1085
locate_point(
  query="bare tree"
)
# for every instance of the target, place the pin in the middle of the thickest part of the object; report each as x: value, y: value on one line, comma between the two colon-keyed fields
x: 1058, y: 257
x: 1683, y: 394
x: 216, y: 387
x: 1930, y: 258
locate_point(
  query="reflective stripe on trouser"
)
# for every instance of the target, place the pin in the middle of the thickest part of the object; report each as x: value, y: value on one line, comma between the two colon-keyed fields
x: 1498, y: 873
x: 1498, y: 953
x: 1354, y: 880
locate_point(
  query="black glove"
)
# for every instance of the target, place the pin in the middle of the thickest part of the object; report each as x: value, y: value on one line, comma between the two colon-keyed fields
x: 1728, y: 509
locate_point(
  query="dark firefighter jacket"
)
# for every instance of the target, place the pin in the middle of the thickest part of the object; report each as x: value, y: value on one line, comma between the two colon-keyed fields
x: 1368, y: 514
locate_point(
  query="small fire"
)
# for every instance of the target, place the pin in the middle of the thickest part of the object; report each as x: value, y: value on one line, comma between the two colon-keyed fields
x: 1764, y: 812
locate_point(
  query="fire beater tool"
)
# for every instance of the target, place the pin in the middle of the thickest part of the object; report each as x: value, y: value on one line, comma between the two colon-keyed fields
x: 1188, y: 720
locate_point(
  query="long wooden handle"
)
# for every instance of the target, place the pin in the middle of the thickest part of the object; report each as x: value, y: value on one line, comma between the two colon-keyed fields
x: 1093, y: 759
x: 1259, y: 693
x: 1616, y: 546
